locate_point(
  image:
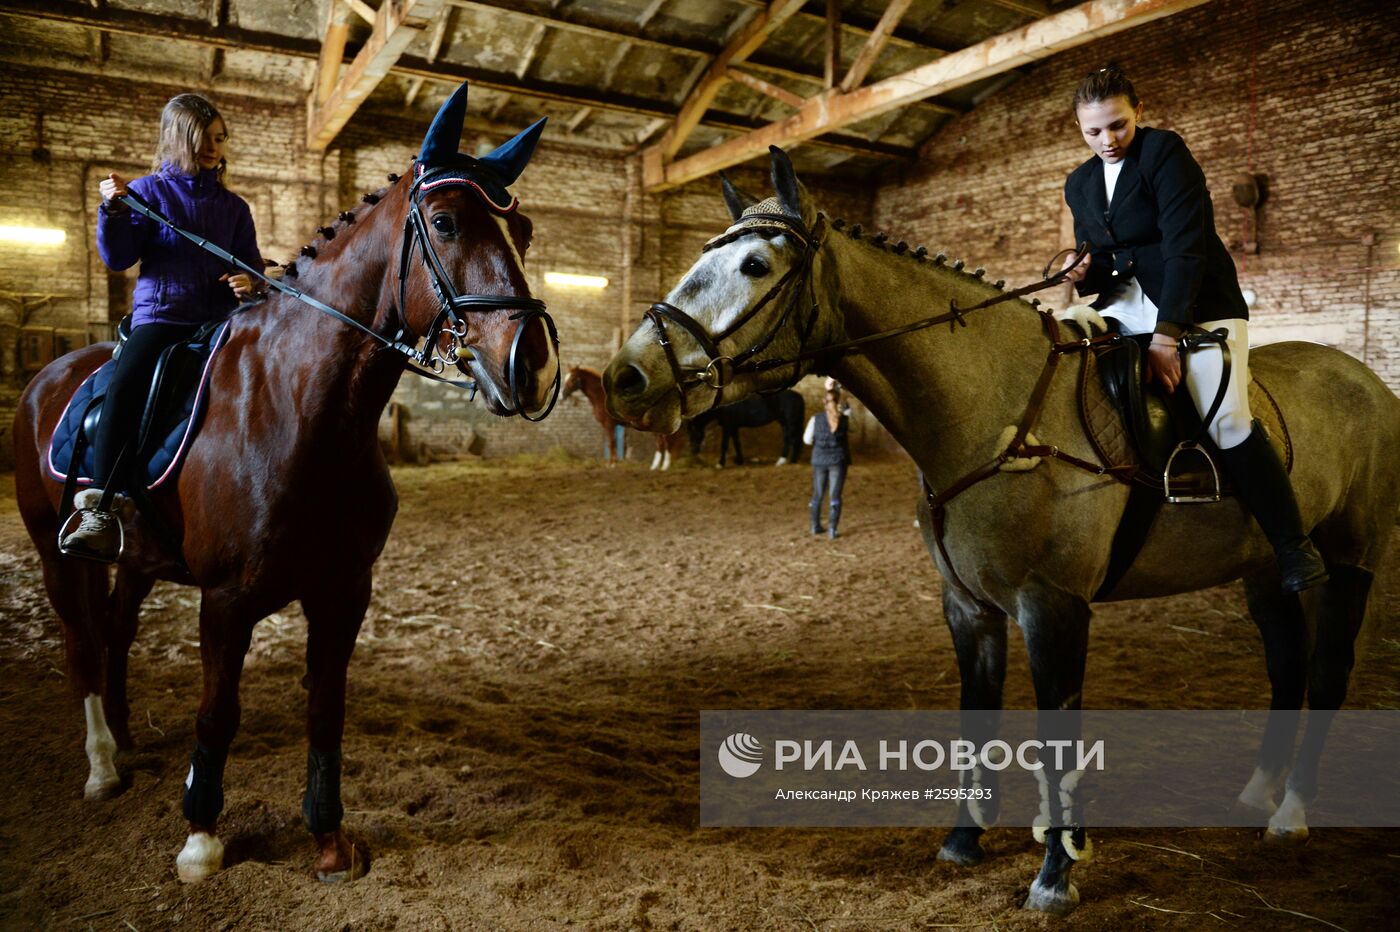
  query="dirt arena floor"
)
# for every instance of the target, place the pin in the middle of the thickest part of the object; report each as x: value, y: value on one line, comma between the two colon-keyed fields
x: 522, y: 744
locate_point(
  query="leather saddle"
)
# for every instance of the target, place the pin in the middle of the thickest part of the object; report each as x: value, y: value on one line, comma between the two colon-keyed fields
x: 174, y: 404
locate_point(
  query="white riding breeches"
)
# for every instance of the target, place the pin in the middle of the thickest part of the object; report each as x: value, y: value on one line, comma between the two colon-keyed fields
x: 1201, y: 370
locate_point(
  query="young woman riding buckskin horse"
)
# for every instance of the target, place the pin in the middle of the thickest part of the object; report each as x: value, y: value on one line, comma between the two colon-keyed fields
x: 1021, y: 512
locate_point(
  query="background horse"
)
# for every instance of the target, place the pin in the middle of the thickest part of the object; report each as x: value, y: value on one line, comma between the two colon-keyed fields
x: 785, y: 407
x: 590, y: 383
x: 1032, y: 542
x: 285, y: 494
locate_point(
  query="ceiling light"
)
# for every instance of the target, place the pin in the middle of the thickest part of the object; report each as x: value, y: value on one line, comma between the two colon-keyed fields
x: 32, y: 236
x: 575, y: 281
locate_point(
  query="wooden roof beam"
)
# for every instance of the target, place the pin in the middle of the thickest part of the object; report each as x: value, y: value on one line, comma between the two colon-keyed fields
x: 764, y: 87
x: 745, y: 40
x: 396, y: 24
x: 865, y: 58
x: 832, y: 110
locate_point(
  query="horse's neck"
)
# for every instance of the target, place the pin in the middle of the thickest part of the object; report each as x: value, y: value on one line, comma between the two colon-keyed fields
x: 592, y: 386
x: 945, y: 396
x: 340, y: 376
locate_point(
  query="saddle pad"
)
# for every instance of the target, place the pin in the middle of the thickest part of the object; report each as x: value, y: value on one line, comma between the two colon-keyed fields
x: 172, y: 427
x: 1104, y: 425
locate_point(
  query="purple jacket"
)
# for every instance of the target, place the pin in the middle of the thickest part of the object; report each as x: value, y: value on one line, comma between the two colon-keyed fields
x: 179, y: 282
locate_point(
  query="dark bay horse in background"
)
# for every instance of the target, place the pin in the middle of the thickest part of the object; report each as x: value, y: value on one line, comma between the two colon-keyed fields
x: 285, y: 494
x: 590, y: 383
x: 785, y: 407
x: 787, y: 286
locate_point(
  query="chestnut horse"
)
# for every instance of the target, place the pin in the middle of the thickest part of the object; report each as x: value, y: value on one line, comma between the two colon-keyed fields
x: 590, y: 383
x: 285, y: 494
x: 787, y: 290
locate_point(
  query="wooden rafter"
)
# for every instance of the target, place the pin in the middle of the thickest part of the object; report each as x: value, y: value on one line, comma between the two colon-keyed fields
x: 832, y: 110
x: 879, y: 37
x: 396, y: 24
x: 745, y: 40
x: 766, y: 87
x: 831, y: 43
x: 333, y: 35
x: 444, y: 23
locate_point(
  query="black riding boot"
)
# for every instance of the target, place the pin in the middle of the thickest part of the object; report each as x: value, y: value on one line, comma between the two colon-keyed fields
x: 1263, y: 487
x: 817, y: 519
x: 832, y: 519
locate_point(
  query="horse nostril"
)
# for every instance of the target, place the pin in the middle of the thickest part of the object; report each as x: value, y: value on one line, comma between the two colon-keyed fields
x: 629, y: 381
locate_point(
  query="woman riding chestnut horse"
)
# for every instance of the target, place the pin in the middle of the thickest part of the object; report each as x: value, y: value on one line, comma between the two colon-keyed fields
x: 285, y: 494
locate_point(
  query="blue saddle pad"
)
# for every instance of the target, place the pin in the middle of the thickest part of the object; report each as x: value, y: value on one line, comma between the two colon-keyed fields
x: 173, y: 423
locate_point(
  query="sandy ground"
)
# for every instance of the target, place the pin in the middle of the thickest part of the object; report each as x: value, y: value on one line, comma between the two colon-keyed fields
x: 522, y: 745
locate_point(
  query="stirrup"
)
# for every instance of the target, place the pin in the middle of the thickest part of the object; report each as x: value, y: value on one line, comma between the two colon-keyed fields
x: 67, y: 527
x: 1190, y: 493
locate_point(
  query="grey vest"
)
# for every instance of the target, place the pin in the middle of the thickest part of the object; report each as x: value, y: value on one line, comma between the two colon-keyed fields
x: 829, y: 447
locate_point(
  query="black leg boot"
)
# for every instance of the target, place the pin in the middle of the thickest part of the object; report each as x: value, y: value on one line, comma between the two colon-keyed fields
x: 1263, y: 487
x: 832, y: 519
x: 817, y: 528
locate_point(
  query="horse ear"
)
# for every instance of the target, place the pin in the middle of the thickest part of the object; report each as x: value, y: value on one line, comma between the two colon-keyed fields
x: 508, y: 161
x: 445, y: 134
x: 737, y: 201
x: 792, y: 196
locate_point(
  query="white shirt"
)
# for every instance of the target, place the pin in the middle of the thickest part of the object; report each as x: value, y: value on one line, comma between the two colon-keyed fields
x: 1133, y: 309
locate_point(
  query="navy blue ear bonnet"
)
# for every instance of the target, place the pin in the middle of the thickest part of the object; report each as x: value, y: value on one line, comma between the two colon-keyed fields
x: 441, y: 165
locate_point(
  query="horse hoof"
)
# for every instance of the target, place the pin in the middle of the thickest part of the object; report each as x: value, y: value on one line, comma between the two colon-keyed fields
x: 201, y: 858
x: 1053, y: 900
x: 340, y: 860
x: 100, y: 788
x: 961, y: 855
x: 1290, y: 822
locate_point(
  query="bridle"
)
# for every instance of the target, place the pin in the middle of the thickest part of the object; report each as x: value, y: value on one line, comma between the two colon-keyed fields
x: 721, y: 370
x: 452, y: 305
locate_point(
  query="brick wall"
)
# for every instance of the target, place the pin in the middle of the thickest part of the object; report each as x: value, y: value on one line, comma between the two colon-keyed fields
x: 1303, y: 92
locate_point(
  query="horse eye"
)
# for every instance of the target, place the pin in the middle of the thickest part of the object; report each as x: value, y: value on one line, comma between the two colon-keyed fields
x: 443, y: 224
x: 754, y: 267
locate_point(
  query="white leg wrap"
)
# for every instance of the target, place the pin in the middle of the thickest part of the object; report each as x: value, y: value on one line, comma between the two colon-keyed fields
x: 1041, y: 823
x: 974, y: 806
x: 656, y: 460
x: 1259, y: 792
x: 1084, y: 854
x: 101, y: 750
x: 1291, y: 819
x: 782, y: 461
x: 201, y: 858
x: 666, y: 460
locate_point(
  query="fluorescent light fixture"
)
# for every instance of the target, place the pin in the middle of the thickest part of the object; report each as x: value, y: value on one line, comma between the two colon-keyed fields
x: 575, y: 281
x: 32, y: 236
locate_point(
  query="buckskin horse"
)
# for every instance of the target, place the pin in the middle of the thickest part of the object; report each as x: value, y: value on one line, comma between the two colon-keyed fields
x: 1020, y: 529
x: 285, y: 494
x: 590, y: 383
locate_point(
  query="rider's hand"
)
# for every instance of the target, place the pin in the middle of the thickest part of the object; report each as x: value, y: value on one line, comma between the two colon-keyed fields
x: 1077, y: 273
x: 241, y: 283
x: 113, y: 185
x: 1164, y: 362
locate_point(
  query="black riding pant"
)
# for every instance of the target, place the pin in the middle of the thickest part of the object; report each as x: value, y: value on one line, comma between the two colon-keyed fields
x: 126, y: 398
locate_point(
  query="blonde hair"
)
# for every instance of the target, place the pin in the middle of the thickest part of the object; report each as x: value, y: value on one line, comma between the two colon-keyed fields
x: 183, y: 123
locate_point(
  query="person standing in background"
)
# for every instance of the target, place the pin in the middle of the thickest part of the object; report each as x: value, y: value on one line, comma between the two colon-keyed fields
x: 826, y: 434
